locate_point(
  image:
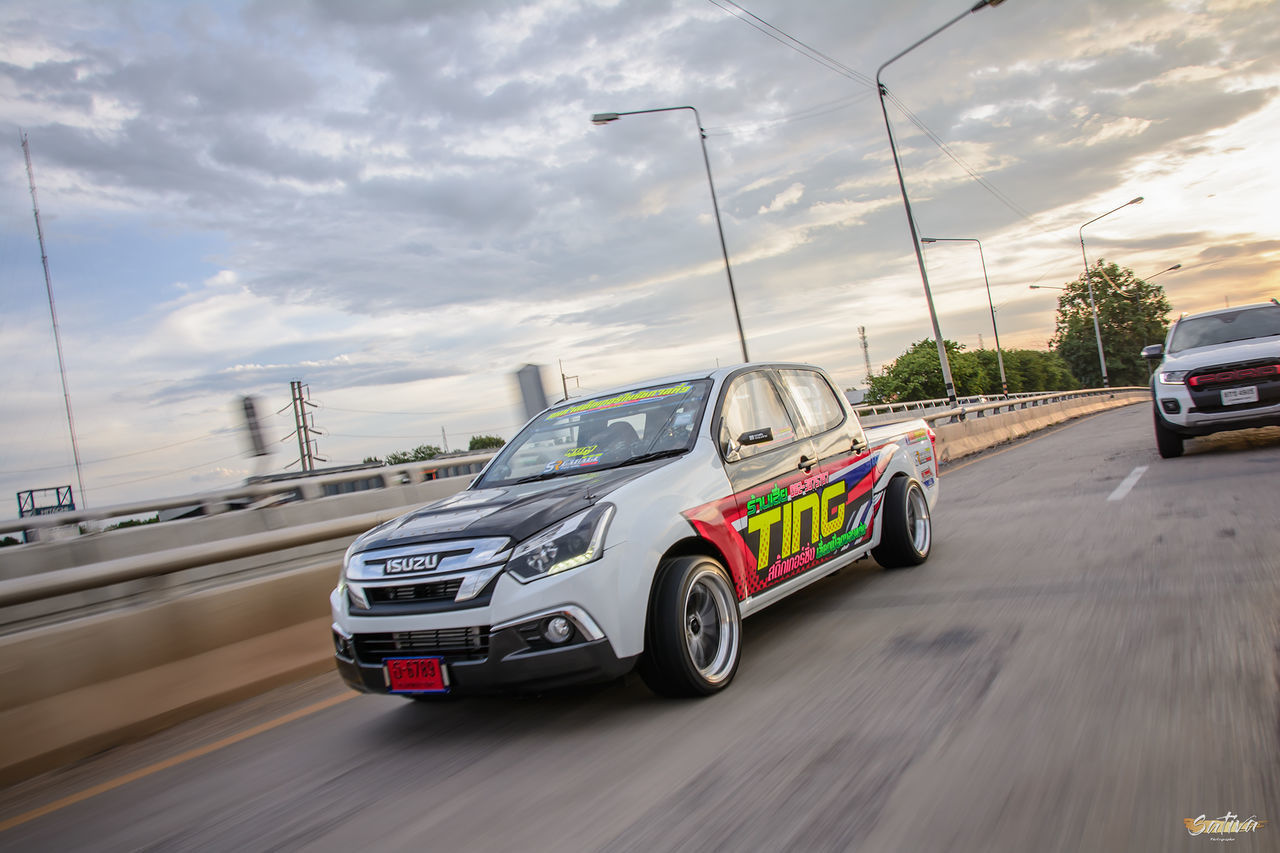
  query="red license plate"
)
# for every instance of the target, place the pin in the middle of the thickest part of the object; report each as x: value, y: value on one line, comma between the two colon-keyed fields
x: 415, y: 675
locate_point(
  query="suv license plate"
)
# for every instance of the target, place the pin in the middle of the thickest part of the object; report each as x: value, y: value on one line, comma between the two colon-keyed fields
x: 415, y: 675
x: 1234, y: 396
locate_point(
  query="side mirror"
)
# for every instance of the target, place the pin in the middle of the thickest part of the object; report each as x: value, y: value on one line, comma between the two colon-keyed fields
x: 1153, y: 352
x: 756, y: 436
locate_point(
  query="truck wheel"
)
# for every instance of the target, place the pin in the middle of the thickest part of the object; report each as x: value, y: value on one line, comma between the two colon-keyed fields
x: 693, y: 639
x: 1168, y: 442
x: 908, y: 530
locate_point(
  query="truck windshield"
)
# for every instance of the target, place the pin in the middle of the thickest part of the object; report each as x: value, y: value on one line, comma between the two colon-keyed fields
x: 602, y: 432
x: 1224, y: 328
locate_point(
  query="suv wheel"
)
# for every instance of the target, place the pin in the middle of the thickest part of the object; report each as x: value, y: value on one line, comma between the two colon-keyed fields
x: 1168, y: 442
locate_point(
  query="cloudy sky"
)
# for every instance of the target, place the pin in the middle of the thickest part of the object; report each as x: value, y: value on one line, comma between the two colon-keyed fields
x: 402, y: 201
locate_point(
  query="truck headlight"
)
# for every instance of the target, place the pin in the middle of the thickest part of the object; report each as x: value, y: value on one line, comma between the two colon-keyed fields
x: 574, y: 542
x: 1173, y: 377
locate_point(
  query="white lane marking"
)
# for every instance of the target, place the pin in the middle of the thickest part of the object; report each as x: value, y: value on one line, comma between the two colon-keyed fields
x: 1127, y: 484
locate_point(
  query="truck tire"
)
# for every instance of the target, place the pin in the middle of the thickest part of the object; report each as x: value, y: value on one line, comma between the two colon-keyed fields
x: 693, y: 639
x: 907, y: 536
x: 1168, y: 442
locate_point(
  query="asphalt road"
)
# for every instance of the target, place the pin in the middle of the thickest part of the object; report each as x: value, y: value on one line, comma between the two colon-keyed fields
x: 1088, y: 659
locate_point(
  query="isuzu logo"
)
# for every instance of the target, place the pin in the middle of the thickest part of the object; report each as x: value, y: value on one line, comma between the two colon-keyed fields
x: 405, y: 565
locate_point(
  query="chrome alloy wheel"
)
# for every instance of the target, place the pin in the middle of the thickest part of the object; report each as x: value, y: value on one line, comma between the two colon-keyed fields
x: 712, y: 629
x: 918, y: 522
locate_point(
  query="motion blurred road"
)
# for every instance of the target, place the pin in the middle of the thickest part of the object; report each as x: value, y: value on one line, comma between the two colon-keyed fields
x: 1088, y: 659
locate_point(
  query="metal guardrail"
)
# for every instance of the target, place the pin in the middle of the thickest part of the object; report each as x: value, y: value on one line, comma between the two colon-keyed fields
x: 63, y: 581
x: 1023, y: 401
x: 918, y: 405
x: 249, y: 494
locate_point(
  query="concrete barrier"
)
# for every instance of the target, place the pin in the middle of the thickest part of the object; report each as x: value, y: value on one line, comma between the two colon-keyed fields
x: 973, y: 435
x: 76, y: 687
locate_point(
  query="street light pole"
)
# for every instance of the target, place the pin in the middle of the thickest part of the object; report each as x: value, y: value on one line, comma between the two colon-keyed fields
x: 1162, y: 272
x: 1097, y: 329
x: 605, y: 118
x: 906, y: 202
x: 1004, y: 383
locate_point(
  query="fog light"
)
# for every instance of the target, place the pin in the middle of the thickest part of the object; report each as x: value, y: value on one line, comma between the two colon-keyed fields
x: 1171, y: 406
x: 342, y: 645
x: 557, y: 629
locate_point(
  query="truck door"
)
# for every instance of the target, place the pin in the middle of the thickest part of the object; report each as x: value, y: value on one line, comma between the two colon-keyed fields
x: 832, y: 507
x: 765, y: 458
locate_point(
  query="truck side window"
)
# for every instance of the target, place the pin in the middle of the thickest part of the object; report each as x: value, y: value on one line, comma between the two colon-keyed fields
x: 814, y: 399
x: 752, y: 403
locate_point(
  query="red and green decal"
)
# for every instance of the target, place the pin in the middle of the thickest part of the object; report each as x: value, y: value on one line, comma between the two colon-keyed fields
x: 798, y: 524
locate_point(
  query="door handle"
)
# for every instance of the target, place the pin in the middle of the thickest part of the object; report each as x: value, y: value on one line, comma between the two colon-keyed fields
x: 805, y: 463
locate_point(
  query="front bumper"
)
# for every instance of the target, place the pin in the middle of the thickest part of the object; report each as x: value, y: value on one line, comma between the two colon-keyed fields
x: 511, y: 665
x: 494, y: 642
x: 1186, y: 419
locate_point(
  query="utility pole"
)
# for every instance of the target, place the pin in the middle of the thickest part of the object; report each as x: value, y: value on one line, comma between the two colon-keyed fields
x: 303, y: 427
x: 53, y: 314
x: 444, y: 440
x: 564, y: 380
x: 866, y: 352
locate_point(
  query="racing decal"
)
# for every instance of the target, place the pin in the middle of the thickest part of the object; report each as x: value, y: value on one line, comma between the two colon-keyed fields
x: 579, y: 457
x: 917, y: 436
x: 620, y: 400
x: 798, y: 524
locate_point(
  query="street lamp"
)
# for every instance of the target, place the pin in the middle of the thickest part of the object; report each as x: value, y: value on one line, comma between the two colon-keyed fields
x: 906, y: 202
x: 1004, y: 384
x: 605, y: 118
x: 1097, y: 329
x: 1044, y: 287
x: 1162, y: 272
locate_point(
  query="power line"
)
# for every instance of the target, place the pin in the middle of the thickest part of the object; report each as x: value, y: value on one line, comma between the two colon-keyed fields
x: 121, y: 456
x: 171, y: 473
x: 812, y: 53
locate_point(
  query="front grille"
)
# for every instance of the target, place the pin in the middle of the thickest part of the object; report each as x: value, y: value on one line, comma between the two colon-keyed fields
x: 457, y: 643
x: 1206, y: 385
x: 437, y: 591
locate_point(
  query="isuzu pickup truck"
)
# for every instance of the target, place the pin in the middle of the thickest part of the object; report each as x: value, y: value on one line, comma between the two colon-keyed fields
x: 634, y: 529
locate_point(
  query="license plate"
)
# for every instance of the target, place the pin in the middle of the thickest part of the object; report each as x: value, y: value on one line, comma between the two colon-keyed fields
x: 1235, y: 396
x: 415, y: 675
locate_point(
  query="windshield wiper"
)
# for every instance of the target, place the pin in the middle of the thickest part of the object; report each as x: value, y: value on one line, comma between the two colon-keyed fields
x: 651, y: 455
x: 546, y: 475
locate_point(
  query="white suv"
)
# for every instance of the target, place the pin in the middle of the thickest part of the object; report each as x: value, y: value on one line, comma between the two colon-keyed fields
x: 1220, y: 371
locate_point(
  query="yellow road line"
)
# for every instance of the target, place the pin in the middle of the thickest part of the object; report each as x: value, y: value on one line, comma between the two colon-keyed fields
x: 173, y: 762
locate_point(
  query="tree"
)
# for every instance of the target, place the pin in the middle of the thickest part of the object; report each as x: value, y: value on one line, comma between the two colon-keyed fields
x: 1131, y: 314
x: 418, y: 454
x: 916, y: 374
x: 485, y: 442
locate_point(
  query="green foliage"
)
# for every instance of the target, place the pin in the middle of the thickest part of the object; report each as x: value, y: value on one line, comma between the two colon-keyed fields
x: 371, y: 460
x: 9, y: 540
x: 485, y: 442
x: 1131, y: 314
x: 418, y: 454
x: 135, y: 522
x: 917, y: 375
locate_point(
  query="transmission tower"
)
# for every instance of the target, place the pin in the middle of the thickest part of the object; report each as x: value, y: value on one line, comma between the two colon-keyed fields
x: 866, y: 352
x: 304, y: 426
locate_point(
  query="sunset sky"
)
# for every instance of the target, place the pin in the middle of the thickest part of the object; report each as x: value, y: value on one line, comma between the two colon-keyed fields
x: 400, y: 202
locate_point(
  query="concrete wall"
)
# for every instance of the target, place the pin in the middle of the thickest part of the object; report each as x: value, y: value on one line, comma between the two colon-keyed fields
x: 76, y: 687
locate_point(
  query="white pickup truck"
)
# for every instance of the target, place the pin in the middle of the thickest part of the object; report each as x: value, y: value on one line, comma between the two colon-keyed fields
x: 633, y: 529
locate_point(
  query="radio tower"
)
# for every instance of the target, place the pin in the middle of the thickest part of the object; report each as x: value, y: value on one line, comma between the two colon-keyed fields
x: 866, y: 352
x: 53, y: 313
